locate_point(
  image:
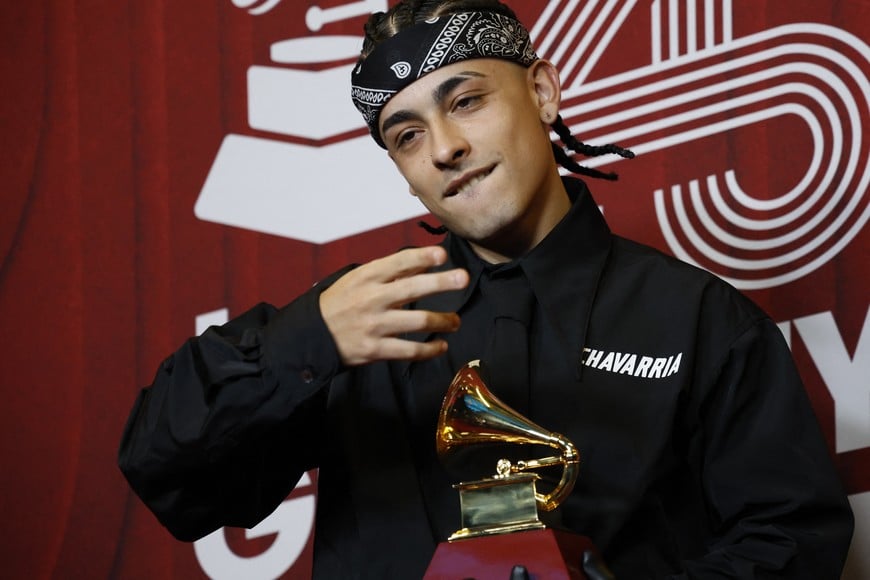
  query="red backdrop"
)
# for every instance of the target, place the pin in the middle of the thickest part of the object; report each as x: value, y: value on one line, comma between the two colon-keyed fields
x: 113, y: 116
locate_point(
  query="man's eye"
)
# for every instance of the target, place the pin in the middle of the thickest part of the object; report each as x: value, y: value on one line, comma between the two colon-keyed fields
x: 405, y: 137
x: 465, y: 102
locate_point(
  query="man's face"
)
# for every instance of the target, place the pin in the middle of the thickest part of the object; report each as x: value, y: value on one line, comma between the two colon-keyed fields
x: 472, y: 142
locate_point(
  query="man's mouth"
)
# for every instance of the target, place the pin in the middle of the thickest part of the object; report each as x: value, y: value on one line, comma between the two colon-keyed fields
x: 467, y: 182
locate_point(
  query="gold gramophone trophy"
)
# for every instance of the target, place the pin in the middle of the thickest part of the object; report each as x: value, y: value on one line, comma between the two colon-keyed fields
x: 496, y: 507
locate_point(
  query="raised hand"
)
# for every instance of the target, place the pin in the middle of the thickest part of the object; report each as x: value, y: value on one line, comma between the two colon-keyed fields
x: 363, y: 308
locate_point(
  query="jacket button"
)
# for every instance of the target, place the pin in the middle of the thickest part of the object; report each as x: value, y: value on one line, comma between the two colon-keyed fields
x: 307, y: 376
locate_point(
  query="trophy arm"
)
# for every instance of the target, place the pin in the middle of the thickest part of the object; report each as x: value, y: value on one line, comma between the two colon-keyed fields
x: 570, y: 462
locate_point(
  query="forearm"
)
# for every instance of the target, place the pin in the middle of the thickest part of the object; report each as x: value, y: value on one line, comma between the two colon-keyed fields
x: 228, y: 425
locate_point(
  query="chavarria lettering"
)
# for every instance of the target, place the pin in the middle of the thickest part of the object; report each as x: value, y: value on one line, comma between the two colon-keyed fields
x: 636, y: 365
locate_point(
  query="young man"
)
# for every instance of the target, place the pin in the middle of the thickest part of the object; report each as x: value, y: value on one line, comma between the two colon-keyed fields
x: 700, y: 453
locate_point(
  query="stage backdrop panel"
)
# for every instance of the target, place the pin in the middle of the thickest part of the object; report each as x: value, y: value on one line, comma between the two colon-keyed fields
x: 166, y: 165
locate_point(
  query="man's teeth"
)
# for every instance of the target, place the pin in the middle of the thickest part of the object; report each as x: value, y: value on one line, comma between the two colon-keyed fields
x: 471, y: 183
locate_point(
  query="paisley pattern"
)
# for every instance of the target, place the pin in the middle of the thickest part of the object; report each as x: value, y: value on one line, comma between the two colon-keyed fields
x: 428, y: 46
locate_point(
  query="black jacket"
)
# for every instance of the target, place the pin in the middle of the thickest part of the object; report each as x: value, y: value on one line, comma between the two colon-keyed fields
x: 701, y: 456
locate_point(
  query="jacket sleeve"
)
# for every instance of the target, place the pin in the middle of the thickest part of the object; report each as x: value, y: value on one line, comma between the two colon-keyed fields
x: 231, y: 421
x: 774, y: 497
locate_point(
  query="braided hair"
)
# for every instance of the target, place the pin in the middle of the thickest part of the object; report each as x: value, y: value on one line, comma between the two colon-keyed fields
x: 571, y: 142
x: 384, y: 25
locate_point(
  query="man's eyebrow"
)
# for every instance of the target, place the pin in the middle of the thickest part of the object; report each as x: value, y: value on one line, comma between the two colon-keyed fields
x: 438, y: 95
x: 445, y: 88
x: 396, y: 118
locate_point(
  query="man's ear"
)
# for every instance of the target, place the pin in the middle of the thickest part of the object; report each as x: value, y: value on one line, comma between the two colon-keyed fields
x: 544, y: 78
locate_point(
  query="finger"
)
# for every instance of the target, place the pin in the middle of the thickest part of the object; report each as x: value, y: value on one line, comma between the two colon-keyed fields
x: 398, y: 322
x: 402, y: 349
x: 405, y: 290
x: 405, y: 263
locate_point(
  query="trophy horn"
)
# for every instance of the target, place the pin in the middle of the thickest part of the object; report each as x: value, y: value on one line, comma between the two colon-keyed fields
x: 471, y: 414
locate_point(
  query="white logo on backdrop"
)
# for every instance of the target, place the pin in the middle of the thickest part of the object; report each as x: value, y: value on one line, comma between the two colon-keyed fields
x: 845, y: 375
x: 318, y: 192
x: 700, y: 82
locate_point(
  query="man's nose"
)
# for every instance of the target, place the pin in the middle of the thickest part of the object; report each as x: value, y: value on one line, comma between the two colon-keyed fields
x: 449, y: 144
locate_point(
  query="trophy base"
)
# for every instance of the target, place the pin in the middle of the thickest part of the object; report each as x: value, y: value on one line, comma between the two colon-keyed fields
x: 547, y: 553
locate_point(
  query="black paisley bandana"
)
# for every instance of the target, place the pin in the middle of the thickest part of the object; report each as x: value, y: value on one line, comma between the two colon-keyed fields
x: 416, y: 51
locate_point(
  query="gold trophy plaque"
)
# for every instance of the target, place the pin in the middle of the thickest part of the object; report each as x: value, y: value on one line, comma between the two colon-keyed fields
x: 508, y: 501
